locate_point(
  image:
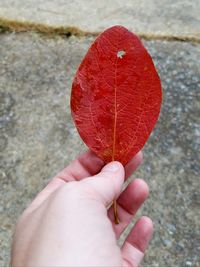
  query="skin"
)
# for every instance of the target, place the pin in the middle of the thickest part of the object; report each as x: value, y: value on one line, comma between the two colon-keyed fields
x: 69, y: 222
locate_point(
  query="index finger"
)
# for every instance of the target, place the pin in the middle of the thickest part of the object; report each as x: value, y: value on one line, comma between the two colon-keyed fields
x: 85, y: 165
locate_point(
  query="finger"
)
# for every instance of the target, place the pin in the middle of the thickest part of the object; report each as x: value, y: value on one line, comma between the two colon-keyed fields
x: 128, y: 204
x: 86, y: 164
x: 133, y: 164
x: 137, y: 242
x: 107, y: 184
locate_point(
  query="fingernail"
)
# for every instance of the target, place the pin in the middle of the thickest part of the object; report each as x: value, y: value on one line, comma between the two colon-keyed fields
x: 112, y: 167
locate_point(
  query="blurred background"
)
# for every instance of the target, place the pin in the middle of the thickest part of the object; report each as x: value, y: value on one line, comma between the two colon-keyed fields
x: 42, y: 42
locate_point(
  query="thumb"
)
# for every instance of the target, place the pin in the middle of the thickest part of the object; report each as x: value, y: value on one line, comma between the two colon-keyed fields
x: 108, y: 183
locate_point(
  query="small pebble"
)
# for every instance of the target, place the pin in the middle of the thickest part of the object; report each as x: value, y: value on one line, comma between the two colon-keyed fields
x: 179, y: 247
x: 171, y: 229
x: 188, y: 263
x: 167, y: 242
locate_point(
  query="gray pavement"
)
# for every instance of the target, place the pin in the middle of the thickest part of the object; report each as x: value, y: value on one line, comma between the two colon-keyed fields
x: 157, y: 17
x: 38, y: 137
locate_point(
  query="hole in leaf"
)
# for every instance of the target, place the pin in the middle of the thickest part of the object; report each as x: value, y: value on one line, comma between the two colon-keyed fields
x: 121, y: 53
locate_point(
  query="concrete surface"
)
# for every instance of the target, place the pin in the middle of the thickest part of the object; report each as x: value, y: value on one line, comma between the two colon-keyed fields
x: 162, y: 17
x: 38, y: 137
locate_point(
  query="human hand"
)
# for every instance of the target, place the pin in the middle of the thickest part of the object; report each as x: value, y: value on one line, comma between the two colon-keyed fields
x: 68, y: 223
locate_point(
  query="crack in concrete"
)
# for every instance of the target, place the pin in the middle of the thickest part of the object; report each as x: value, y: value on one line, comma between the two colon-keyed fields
x: 7, y: 25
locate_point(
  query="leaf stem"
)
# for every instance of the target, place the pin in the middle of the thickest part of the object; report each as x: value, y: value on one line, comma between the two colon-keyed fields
x: 116, y: 218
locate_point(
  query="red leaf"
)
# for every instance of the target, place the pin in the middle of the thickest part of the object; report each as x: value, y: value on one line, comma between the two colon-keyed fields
x: 116, y: 95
